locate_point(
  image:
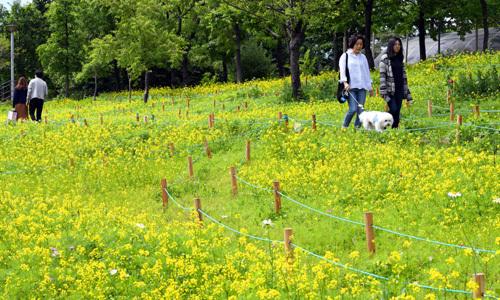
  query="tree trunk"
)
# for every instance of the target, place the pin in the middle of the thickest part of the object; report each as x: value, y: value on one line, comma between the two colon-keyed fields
x: 297, y: 33
x: 129, y: 88
x: 116, y: 70
x: 185, y: 69
x: 280, y: 57
x: 335, y: 52
x: 146, y: 86
x: 95, y: 85
x: 224, y: 68
x: 439, y: 37
x: 368, y: 33
x: 421, y: 29
x: 344, y: 42
x: 406, y: 49
x: 477, y: 39
x: 237, y: 55
x: 484, y: 11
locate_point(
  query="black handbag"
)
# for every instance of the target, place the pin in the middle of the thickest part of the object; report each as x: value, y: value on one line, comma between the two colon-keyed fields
x: 342, y: 94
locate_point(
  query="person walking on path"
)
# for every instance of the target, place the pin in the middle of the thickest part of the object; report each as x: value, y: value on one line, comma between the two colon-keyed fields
x: 393, y: 81
x: 359, y: 79
x: 20, y: 96
x: 37, y: 92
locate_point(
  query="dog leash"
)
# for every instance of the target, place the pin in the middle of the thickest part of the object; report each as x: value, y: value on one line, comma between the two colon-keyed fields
x: 359, y: 104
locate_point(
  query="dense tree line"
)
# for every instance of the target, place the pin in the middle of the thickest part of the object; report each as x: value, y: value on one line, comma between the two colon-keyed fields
x: 96, y: 45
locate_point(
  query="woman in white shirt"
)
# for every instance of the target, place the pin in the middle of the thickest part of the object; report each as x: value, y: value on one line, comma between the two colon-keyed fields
x: 359, y: 81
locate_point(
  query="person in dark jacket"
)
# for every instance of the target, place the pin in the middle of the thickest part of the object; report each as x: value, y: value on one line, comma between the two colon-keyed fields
x: 20, y: 95
x: 393, y: 80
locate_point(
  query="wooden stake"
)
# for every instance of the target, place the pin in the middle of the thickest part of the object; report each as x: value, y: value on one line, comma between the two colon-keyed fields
x: 280, y: 115
x: 452, y: 111
x: 457, y: 134
x: 277, y: 196
x: 480, y: 280
x: 288, y: 241
x: 234, y: 182
x: 210, y: 121
x: 370, y: 235
x: 101, y: 119
x: 172, y: 149
x: 314, y: 122
x: 475, y: 109
x: 146, y: 119
x: 245, y: 104
x: 448, y: 96
x: 187, y: 102
x: 137, y: 117
x: 247, y: 152
x: 173, y: 101
x: 207, y: 149
x: 164, y: 194
x: 190, y: 167
x: 429, y: 108
x: 163, y: 106
x: 197, y: 206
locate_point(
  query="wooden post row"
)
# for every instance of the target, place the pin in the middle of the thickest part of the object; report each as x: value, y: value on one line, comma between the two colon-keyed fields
x: 480, y: 280
x: 197, y: 206
x: 164, y: 194
x: 207, y: 149
x: 370, y: 234
x: 234, y: 182
x: 172, y: 149
x: 247, y: 152
x: 476, y: 111
x: 190, y: 167
x: 288, y: 241
x: 277, y: 196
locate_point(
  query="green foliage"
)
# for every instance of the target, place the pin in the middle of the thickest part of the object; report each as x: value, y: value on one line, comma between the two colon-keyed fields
x: 61, y: 55
x: 474, y: 85
x: 255, y: 61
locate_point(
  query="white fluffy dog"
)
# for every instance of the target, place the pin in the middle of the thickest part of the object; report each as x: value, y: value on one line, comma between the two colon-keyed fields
x: 377, y: 120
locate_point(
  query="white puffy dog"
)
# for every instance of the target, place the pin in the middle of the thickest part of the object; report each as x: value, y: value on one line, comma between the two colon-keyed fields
x: 377, y: 120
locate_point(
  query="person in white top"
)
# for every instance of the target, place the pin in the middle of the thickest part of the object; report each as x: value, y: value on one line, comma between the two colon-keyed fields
x: 37, y: 92
x: 357, y: 80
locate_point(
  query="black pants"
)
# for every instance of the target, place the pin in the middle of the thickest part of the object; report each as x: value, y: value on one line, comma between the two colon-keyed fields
x: 395, y: 108
x: 36, y: 104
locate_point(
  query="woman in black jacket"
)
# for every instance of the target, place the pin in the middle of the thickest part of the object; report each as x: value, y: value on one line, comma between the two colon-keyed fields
x: 20, y: 94
x: 393, y: 82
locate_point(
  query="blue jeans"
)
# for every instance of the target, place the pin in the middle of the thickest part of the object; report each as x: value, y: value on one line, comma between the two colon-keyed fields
x: 395, y: 108
x: 360, y: 95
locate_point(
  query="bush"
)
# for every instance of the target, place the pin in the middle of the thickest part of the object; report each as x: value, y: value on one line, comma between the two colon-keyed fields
x: 255, y: 61
x: 479, y: 84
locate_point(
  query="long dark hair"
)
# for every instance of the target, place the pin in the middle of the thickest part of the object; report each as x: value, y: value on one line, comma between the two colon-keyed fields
x: 22, y: 84
x: 390, y: 48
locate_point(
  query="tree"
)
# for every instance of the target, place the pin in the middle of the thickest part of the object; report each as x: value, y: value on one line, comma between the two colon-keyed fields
x: 141, y: 39
x: 98, y: 61
x: 61, y: 55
